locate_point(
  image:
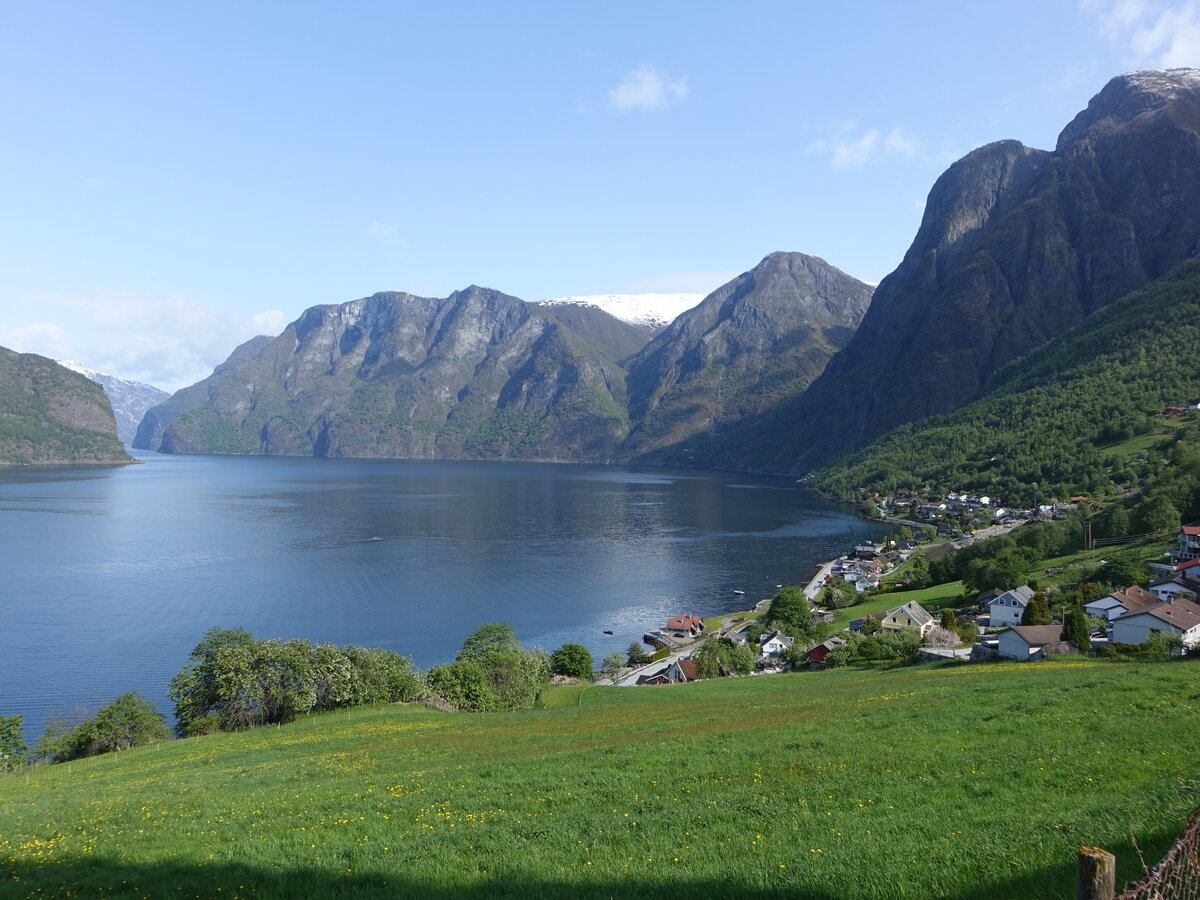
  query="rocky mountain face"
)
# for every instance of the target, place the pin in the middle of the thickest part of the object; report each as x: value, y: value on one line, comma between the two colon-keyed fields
x: 483, y: 375
x: 753, y: 343
x: 154, y: 422
x: 51, y: 415
x: 129, y: 399
x: 476, y: 375
x: 1016, y: 246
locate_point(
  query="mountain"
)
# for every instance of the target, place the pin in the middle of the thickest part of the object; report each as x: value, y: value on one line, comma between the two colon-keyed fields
x: 1046, y: 422
x: 654, y: 312
x: 478, y: 374
x: 51, y: 415
x: 156, y: 419
x: 753, y: 343
x: 481, y: 374
x: 1016, y: 246
x: 129, y: 399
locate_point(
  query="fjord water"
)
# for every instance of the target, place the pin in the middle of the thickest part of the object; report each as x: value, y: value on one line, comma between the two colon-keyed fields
x: 112, y: 575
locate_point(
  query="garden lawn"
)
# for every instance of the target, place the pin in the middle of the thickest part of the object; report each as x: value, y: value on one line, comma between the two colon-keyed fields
x: 930, y: 782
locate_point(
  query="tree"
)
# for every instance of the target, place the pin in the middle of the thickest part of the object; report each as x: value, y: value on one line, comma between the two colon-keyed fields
x: 789, y: 611
x: 13, y: 748
x: 1162, y: 645
x: 917, y: 573
x: 1037, y: 611
x: 463, y: 684
x: 494, y: 637
x: 904, y: 533
x: 611, y: 667
x: 1155, y: 513
x: 636, y: 655
x: 1123, y: 569
x: 942, y: 638
x: 949, y: 622
x: 1075, y: 628
x: 572, y: 660
x: 129, y: 721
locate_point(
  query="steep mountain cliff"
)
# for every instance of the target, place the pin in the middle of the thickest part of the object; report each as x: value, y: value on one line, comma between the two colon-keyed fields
x: 51, y: 415
x: 1016, y: 246
x: 129, y: 399
x: 751, y: 344
x: 156, y: 419
x: 478, y: 374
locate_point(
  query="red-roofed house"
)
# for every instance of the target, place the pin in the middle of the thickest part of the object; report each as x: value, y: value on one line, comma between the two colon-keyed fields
x: 691, y: 624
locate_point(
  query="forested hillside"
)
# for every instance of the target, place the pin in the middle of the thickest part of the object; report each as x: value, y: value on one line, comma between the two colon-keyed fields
x: 1041, y: 426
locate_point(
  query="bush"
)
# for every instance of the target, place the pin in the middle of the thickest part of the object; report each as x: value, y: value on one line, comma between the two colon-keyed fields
x: 13, y: 749
x: 129, y: 721
x: 463, y: 684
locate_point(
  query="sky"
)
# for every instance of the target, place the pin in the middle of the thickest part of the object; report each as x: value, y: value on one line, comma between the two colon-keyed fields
x: 176, y: 178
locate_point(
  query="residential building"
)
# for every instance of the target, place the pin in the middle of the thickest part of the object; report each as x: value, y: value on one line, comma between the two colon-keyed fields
x: 1120, y: 602
x: 909, y: 615
x: 1009, y: 607
x: 1177, y: 617
x: 1027, y: 641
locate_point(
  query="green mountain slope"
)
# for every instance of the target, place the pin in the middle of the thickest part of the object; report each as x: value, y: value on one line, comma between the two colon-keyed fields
x: 969, y: 781
x: 51, y: 415
x: 1042, y: 420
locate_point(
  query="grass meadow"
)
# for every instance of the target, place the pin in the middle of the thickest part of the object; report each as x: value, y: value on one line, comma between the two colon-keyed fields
x: 948, y: 781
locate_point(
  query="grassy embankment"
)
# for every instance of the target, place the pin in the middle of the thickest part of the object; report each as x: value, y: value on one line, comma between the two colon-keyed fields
x: 959, y: 781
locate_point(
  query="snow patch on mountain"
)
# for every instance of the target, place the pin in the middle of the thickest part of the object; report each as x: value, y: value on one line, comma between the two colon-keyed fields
x: 129, y: 399
x: 656, y: 311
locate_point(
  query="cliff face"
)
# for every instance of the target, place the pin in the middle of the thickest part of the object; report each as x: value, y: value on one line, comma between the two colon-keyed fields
x: 478, y: 374
x: 52, y: 415
x: 750, y: 345
x: 1016, y: 246
x: 130, y: 399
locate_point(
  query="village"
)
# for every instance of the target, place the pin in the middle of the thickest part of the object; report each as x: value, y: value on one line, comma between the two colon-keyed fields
x: 1012, y: 624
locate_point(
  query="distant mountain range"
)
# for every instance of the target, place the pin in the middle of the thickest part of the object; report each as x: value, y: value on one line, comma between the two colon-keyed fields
x: 51, y: 415
x: 782, y: 369
x: 129, y: 399
x: 652, y: 311
x: 483, y: 375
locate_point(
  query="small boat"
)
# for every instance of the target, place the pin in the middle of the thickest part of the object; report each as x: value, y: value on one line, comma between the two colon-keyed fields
x: 606, y: 631
x: 738, y: 592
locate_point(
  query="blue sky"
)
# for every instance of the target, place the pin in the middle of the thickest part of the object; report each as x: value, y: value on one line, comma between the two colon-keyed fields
x: 179, y: 177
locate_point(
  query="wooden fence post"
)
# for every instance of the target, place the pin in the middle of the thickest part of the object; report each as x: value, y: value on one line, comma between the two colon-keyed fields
x: 1097, y: 875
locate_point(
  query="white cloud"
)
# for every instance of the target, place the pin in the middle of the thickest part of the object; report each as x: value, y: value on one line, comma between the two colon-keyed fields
x: 847, y: 149
x: 647, y: 88
x: 1156, y: 34
x: 166, y: 340
x: 386, y: 233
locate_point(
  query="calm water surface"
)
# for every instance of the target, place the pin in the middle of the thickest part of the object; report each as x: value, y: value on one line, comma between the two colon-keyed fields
x: 111, y: 576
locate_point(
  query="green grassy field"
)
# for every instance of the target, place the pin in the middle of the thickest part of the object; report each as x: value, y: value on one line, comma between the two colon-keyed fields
x: 932, y: 598
x: 959, y: 781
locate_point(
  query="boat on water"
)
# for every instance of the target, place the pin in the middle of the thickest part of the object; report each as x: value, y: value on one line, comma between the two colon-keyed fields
x: 606, y: 631
x: 738, y: 592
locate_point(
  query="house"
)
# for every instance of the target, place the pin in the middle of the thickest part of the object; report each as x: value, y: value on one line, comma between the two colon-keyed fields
x: 866, y: 582
x: 774, y: 644
x: 681, y: 671
x: 857, y: 624
x: 1008, y: 608
x: 906, y: 546
x: 1174, y: 585
x: 1120, y: 602
x: 818, y: 653
x: 1177, y: 617
x: 910, y: 615
x: 692, y: 625
x: 1189, y: 566
x: 1188, y: 545
x: 1027, y: 641
x: 932, y: 509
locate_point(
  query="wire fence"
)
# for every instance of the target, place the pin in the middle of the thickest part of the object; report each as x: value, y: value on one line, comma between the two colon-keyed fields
x: 1177, y: 875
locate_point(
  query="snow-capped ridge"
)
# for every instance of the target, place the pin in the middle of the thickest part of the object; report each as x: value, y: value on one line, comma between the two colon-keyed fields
x: 655, y: 311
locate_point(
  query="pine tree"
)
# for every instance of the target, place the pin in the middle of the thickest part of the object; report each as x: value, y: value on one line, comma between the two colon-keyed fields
x: 1075, y: 628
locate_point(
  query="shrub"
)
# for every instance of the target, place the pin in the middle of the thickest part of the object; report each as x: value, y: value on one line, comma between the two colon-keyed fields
x: 574, y: 660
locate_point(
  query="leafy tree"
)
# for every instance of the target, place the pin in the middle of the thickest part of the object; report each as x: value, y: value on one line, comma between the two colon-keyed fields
x: 917, y: 573
x: 494, y: 637
x: 13, y: 748
x: 1154, y: 513
x: 129, y: 721
x: 789, y: 611
x: 744, y: 659
x: 1123, y: 569
x: 904, y: 533
x: 195, y: 690
x: 1117, y: 523
x: 463, y: 684
x: 1162, y: 645
x: 837, y: 594
x: 516, y: 676
x: 611, y: 667
x: 574, y: 661
x: 1037, y: 611
x: 949, y: 622
x: 870, y: 625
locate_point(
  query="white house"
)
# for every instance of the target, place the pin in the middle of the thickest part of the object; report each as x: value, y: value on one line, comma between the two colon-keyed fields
x: 774, y: 644
x: 1008, y: 608
x: 1179, y: 617
x: 1120, y: 602
x: 1026, y: 641
x: 1173, y: 585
